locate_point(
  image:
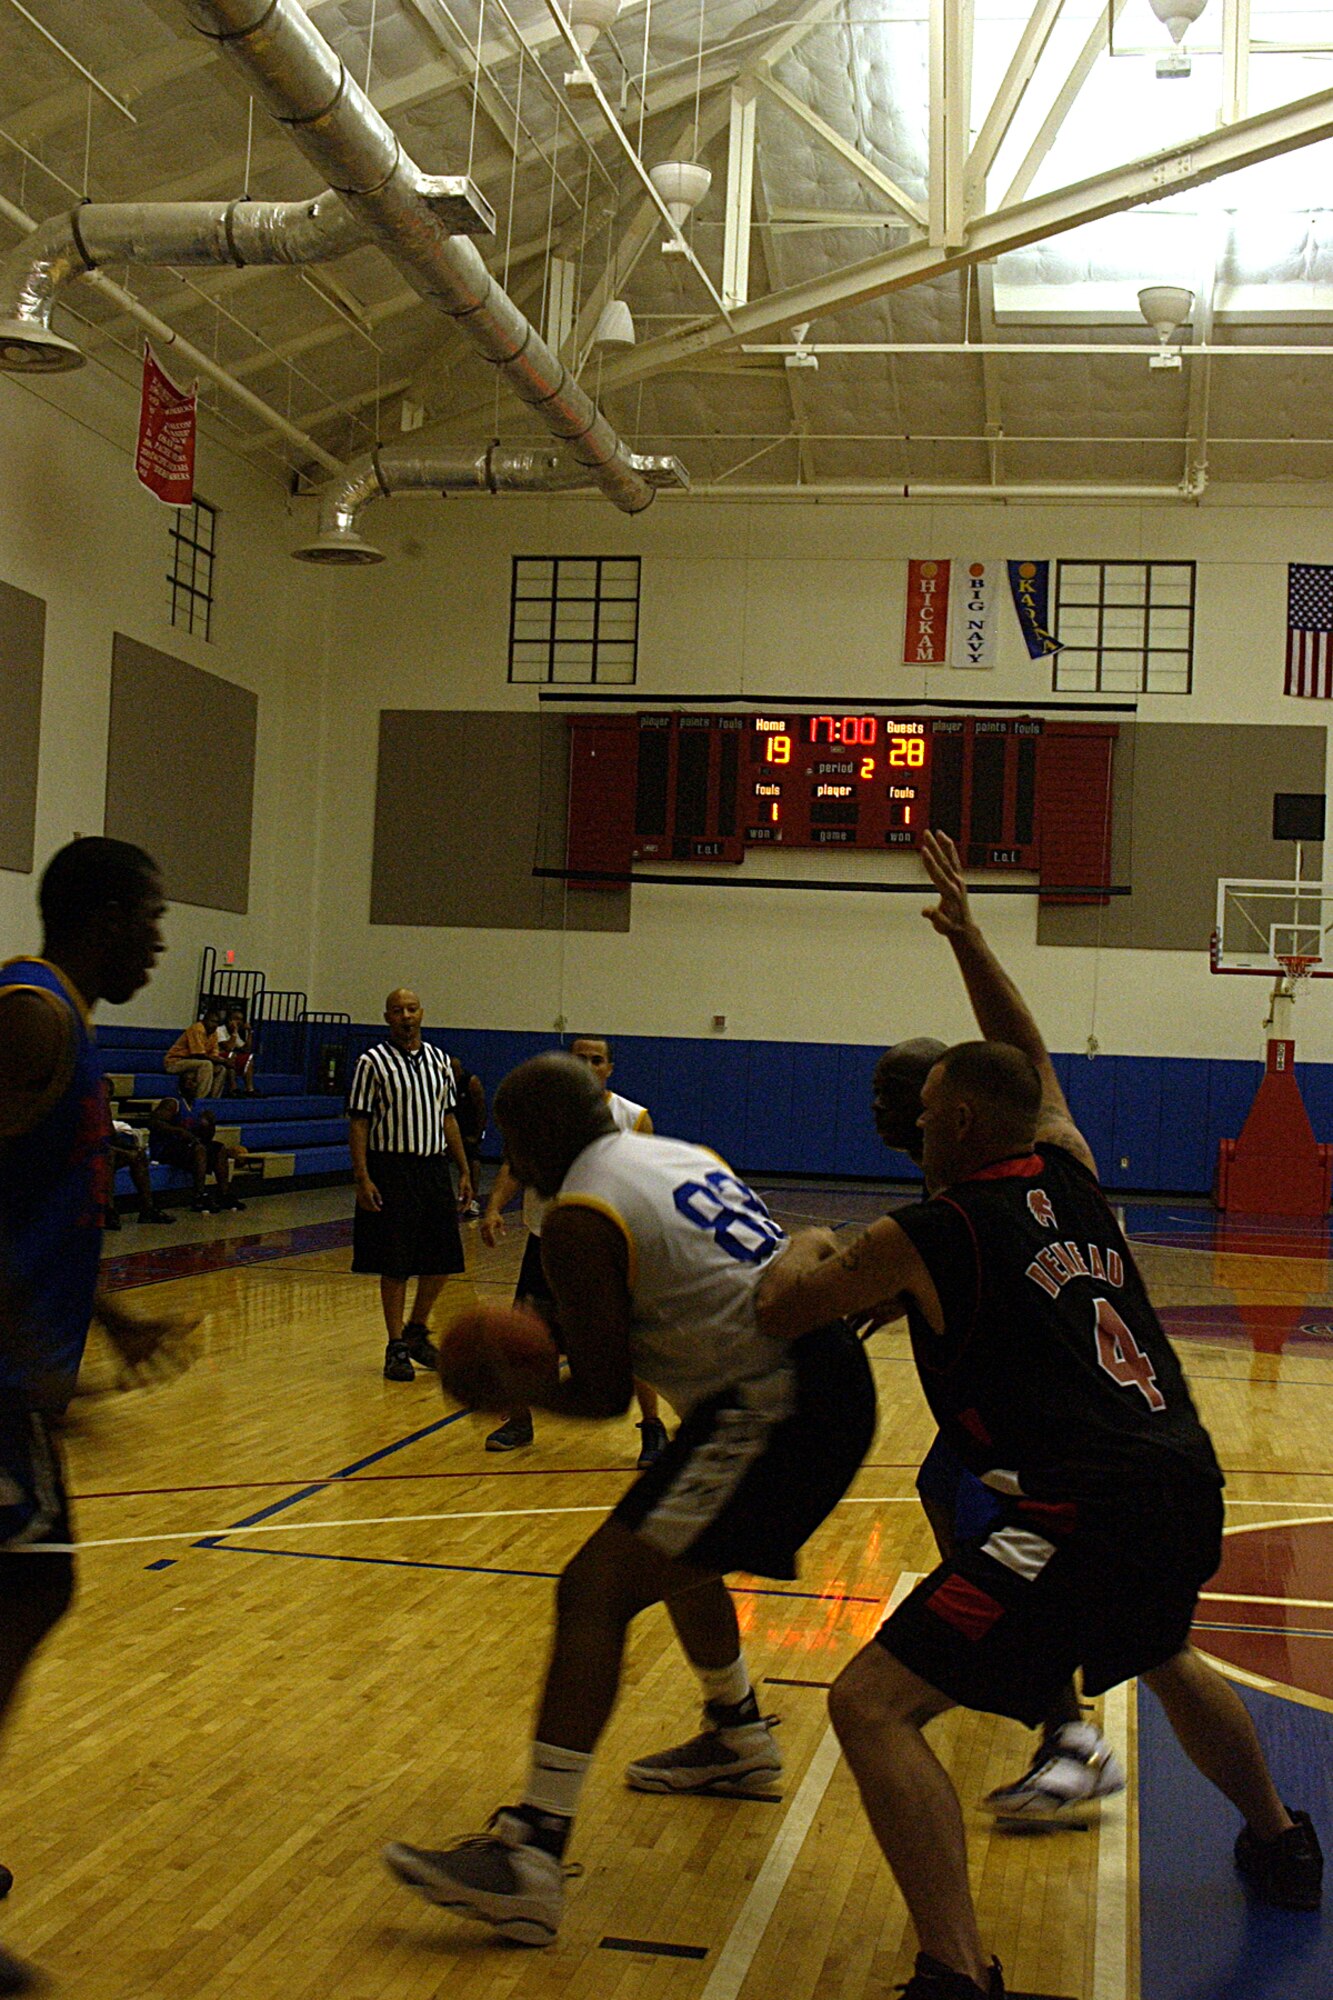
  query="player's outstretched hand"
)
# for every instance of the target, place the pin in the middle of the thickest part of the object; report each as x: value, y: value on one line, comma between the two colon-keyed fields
x: 952, y: 915
x: 492, y: 1226
x: 152, y: 1350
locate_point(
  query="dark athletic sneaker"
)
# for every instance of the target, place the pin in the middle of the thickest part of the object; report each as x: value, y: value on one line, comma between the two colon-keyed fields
x: 16, y: 1977
x: 511, y: 1435
x: 155, y: 1214
x: 417, y: 1341
x: 6, y: 1881
x: 654, y: 1442
x: 498, y: 1877
x: 1288, y: 1871
x: 398, y: 1363
x: 933, y: 1981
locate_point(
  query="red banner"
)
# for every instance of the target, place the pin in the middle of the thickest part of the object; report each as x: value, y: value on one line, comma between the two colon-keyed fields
x: 926, y: 634
x: 164, y: 460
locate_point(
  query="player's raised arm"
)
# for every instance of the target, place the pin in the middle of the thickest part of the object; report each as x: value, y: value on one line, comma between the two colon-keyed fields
x: 1003, y: 1015
x: 799, y: 1291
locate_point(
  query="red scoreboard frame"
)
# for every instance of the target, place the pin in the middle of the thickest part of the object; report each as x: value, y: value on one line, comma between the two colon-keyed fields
x: 1015, y: 792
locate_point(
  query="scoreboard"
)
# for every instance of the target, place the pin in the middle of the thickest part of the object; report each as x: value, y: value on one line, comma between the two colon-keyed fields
x: 1017, y: 792
x: 712, y: 787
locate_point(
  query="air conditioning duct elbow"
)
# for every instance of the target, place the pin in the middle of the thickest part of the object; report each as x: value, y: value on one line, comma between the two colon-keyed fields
x: 396, y: 469
x: 179, y: 233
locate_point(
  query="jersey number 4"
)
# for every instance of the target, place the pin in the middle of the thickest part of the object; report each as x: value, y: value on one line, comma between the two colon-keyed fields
x: 737, y: 1219
x: 1123, y: 1359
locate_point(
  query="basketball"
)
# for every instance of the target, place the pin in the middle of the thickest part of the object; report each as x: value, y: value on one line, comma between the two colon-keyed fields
x: 493, y: 1357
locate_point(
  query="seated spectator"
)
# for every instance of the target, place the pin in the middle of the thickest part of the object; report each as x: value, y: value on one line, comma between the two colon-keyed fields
x: 181, y: 1136
x: 195, y: 1054
x: 128, y: 1153
x: 236, y: 1048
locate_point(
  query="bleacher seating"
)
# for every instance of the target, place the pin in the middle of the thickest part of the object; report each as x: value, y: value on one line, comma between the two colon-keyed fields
x: 283, y: 1121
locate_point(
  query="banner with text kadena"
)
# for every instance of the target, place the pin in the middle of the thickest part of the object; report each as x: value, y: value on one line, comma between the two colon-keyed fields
x: 164, y: 460
x: 926, y: 633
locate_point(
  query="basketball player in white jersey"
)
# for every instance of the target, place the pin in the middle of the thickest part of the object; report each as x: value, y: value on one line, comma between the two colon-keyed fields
x: 532, y: 1289
x: 653, y: 1251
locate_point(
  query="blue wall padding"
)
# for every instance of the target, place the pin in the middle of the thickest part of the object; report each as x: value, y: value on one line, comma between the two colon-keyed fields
x: 804, y: 1107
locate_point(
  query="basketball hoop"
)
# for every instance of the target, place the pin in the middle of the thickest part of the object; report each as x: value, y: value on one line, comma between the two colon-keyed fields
x: 1296, y: 966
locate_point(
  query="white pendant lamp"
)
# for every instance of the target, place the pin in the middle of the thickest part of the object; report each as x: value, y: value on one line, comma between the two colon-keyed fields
x: 1166, y: 308
x: 615, y: 328
x: 682, y: 185
x: 588, y: 19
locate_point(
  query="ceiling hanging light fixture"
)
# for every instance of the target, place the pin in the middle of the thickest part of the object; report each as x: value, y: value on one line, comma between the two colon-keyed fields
x: 682, y: 185
x: 1176, y: 16
x: 589, y: 19
x: 1166, y: 308
x: 615, y: 328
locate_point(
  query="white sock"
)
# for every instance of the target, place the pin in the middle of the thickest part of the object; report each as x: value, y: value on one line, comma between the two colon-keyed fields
x: 555, y: 1779
x: 728, y: 1685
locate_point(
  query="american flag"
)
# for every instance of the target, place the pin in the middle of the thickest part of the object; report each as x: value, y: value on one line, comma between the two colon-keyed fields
x: 1310, y: 630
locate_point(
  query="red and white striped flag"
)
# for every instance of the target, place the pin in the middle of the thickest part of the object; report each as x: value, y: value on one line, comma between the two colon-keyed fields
x: 1310, y: 630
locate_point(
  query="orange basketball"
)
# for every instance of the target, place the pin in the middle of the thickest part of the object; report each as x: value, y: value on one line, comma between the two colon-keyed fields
x: 494, y: 1357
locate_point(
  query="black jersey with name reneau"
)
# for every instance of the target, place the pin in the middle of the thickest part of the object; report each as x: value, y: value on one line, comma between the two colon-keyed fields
x: 1053, y: 1366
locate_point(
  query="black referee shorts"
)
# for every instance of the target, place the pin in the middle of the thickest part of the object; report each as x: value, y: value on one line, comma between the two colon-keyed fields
x: 415, y: 1234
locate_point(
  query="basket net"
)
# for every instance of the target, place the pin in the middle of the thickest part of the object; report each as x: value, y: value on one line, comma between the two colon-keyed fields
x: 1297, y: 965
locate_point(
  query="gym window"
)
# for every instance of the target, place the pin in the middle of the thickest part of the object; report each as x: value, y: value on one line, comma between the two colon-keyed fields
x: 1126, y: 627
x: 574, y: 618
x: 193, y: 533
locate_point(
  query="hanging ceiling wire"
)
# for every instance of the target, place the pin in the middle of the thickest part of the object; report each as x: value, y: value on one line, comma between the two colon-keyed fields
x: 643, y: 81
x: 513, y: 187
x: 476, y: 89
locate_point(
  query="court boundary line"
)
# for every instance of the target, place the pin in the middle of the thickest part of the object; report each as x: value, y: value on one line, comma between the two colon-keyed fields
x: 747, y: 1934
x: 1110, y: 1949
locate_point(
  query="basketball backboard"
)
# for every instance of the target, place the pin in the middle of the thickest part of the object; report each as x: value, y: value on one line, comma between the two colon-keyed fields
x: 1261, y: 924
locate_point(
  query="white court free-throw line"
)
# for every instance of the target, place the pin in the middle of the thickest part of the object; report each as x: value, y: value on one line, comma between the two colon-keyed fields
x: 747, y: 1933
x: 364, y: 1521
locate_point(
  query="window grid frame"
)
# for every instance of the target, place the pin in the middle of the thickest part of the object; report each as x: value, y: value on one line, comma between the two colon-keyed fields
x: 1143, y: 650
x: 190, y: 594
x: 559, y: 601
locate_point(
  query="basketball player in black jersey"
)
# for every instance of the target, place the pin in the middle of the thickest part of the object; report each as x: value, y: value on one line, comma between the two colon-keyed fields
x: 1050, y: 1376
x: 1074, y: 1767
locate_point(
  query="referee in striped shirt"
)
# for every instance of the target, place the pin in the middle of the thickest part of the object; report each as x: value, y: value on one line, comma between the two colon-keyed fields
x: 406, y: 1224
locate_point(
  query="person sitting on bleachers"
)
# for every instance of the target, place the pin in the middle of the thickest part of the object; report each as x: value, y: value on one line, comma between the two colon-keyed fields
x: 195, y: 1053
x: 181, y: 1136
x: 236, y: 1048
x: 128, y: 1153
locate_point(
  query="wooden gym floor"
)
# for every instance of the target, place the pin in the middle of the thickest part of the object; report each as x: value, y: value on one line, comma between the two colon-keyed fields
x: 313, y: 1617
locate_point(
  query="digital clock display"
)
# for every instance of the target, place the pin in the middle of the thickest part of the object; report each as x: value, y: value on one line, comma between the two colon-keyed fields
x: 821, y: 780
x: 709, y: 787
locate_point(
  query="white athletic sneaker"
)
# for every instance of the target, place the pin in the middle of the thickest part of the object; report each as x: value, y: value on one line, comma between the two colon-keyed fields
x: 736, y: 1762
x: 499, y: 1877
x: 1071, y: 1772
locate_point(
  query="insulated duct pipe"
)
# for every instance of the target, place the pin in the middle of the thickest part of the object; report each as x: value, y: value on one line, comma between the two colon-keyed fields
x: 391, y: 469
x: 70, y: 246
x: 297, y: 76
x: 194, y: 357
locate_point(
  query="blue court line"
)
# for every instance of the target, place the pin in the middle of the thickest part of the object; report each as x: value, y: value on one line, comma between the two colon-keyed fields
x: 343, y: 1472
x: 485, y: 1569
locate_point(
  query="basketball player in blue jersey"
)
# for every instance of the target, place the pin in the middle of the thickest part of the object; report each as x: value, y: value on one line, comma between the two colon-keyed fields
x: 653, y: 1251
x: 102, y: 906
x: 1050, y: 1376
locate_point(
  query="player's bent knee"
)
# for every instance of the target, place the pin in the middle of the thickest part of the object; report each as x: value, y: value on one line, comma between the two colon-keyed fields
x: 875, y: 1691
